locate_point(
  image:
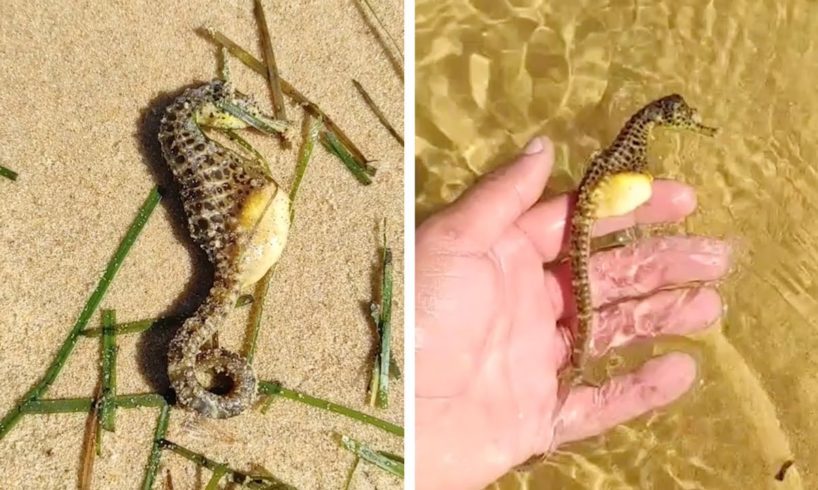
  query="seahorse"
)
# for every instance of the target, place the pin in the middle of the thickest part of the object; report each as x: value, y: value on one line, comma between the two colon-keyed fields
x: 239, y: 216
x: 615, y: 182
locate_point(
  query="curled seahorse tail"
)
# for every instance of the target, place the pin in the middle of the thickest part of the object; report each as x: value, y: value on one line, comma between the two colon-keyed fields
x: 186, y: 356
x: 191, y: 394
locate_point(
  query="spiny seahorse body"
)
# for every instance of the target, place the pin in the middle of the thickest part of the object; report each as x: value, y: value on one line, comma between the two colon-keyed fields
x: 627, y: 154
x: 227, y: 201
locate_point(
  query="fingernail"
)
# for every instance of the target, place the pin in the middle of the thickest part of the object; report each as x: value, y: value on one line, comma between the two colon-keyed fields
x: 534, y: 146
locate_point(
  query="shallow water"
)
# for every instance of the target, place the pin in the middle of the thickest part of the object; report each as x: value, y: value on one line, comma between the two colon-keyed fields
x: 83, y: 85
x: 493, y: 73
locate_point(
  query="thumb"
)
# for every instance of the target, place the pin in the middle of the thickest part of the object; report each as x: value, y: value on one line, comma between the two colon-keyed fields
x: 478, y: 217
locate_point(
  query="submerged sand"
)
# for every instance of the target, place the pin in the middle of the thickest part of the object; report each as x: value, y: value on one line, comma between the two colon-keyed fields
x: 82, y: 84
x: 490, y: 75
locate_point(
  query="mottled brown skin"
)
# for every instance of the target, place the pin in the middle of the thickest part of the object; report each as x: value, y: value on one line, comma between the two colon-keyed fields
x: 214, y: 182
x: 627, y: 153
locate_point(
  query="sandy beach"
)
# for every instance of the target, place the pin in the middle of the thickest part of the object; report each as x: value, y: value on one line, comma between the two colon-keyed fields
x: 83, y: 84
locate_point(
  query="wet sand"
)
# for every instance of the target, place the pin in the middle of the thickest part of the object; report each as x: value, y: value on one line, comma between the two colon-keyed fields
x: 82, y: 87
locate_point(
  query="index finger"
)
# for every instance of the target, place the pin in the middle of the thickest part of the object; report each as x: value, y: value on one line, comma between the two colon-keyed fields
x: 546, y: 224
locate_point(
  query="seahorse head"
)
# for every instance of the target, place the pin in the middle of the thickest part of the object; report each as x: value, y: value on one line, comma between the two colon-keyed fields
x: 672, y: 110
x: 228, y: 108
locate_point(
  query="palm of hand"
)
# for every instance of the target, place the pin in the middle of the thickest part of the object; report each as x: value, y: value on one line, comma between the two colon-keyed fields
x: 503, y: 331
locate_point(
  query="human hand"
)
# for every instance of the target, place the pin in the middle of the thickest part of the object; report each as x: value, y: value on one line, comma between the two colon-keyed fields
x: 488, y: 303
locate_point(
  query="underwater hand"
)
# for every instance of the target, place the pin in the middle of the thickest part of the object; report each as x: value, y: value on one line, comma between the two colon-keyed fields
x: 489, y: 300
